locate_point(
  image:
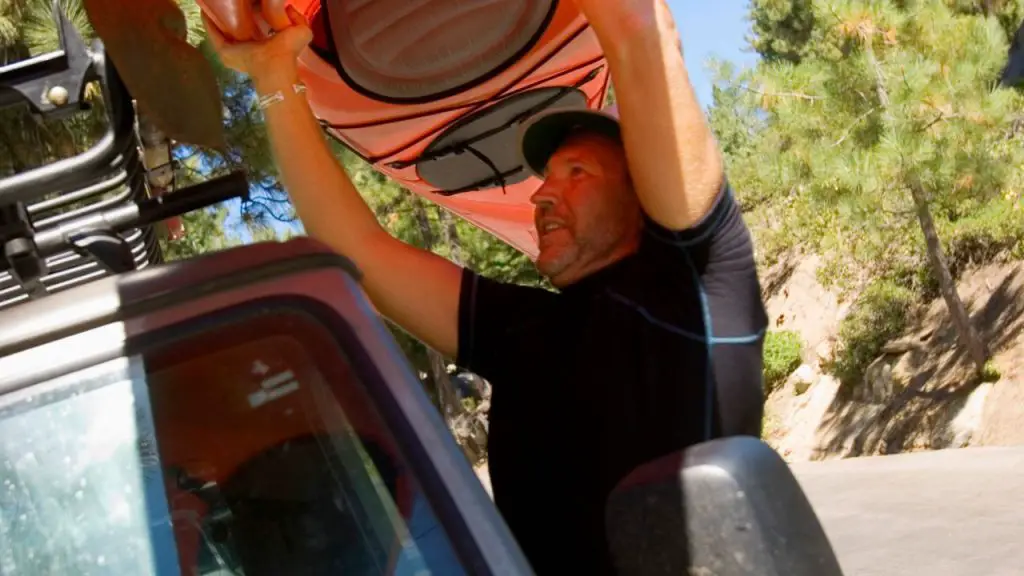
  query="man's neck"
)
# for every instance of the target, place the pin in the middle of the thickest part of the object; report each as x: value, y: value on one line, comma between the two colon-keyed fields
x: 593, y: 268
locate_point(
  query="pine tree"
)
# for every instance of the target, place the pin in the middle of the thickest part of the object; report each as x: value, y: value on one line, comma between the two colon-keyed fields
x: 887, y: 130
x: 781, y: 29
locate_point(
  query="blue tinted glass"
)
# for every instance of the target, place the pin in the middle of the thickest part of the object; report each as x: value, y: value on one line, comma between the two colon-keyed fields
x: 80, y: 486
x: 240, y: 452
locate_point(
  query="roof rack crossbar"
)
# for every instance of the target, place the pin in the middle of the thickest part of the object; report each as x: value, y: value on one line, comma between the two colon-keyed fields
x: 26, y: 252
x: 134, y: 188
x: 80, y: 218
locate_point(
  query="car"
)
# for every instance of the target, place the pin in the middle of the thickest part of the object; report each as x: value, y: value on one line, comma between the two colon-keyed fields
x: 431, y: 93
x: 247, y: 411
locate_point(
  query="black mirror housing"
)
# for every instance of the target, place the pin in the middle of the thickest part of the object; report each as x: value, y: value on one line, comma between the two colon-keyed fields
x: 728, y: 507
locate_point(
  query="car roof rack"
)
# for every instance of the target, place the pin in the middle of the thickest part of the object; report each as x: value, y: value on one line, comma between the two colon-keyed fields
x: 91, y: 215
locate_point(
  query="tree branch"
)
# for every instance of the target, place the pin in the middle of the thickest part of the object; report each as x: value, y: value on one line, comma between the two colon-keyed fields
x: 266, y: 210
x: 849, y: 129
x: 781, y: 94
x: 940, y: 118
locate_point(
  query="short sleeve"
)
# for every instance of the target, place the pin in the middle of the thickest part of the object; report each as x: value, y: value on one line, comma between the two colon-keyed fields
x: 717, y: 255
x: 719, y: 251
x: 498, y: 324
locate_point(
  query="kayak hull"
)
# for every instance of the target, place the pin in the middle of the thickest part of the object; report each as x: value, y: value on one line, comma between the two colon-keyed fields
x: 390, y: 105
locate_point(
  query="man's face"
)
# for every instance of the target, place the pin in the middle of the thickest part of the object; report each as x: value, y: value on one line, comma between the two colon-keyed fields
x: 587, y: 215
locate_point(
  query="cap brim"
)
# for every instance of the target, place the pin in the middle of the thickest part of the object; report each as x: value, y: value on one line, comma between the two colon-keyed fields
x: 543, y: 134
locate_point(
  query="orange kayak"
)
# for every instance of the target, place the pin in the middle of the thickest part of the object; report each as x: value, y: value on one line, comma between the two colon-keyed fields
x: 431, y: 92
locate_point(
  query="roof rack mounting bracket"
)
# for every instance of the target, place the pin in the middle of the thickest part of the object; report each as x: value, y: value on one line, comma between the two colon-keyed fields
x: 53, y: 85
x: 21, y: 255
x: 107, y: 248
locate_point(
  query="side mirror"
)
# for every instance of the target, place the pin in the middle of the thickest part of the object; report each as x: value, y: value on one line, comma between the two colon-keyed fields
x: 728, y: 507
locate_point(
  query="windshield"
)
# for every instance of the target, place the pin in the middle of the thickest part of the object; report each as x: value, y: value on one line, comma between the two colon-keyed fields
x: 249, y: 449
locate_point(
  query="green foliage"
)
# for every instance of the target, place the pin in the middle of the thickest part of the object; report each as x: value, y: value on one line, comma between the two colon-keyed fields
x: 994, y: 230
x: 821, y: 147
x: 609, y: 98
x: 782, y: 353
x: 204, y: 233
x: 880, y: 314
x: 990, y: 373
x: 781, y: 28
x: 27, y: 29
x: 1009, y: 13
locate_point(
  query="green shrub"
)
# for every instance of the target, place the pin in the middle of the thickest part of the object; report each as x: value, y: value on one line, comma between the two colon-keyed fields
x: 879, y: 315
x: 990, y: 373
x: 782, y: 350
x: 985, y: 234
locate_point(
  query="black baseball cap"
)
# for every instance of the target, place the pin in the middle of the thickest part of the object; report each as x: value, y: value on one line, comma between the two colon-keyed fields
x: 545, y: 132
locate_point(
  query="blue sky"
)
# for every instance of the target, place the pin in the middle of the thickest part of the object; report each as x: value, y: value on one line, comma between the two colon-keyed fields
x: 711, y: 28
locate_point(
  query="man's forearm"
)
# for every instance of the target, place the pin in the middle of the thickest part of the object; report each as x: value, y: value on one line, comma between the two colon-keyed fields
x: 325, y: 199
x: 673, y: 157
x: 415, y: 288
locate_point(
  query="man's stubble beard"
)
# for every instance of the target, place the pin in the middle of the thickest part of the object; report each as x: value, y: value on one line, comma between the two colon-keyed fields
x: 562, y: 261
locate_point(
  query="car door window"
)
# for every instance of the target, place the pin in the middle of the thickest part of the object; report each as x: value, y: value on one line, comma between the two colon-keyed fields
x: 251, y: 448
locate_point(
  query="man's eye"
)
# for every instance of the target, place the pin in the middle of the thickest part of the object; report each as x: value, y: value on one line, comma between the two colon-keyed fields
x: 576, y: 170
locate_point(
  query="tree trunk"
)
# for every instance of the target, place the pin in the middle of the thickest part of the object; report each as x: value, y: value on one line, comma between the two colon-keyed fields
x: 450, y: 235
x: 969, y: 336
x: 468, y: 427
x: 451, y: 407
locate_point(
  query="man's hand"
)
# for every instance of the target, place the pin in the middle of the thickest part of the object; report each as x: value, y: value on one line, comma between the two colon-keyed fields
x: 270, y: 61
x: 673, y: 158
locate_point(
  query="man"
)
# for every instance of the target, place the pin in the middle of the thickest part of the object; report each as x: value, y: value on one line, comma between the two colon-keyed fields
x: 654, y: 341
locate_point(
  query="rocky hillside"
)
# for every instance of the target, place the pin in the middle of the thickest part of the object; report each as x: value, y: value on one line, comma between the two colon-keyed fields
x: 919, y: 393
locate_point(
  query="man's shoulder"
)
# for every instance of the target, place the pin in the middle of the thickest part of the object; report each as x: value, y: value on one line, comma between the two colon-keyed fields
x: 722, y: 221
x: 701, y: 282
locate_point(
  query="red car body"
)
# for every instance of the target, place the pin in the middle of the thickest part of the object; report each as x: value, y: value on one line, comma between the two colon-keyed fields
x: 431, y: 92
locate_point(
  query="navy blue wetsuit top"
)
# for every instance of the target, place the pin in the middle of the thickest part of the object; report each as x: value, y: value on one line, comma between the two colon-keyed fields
x: 659, y: 351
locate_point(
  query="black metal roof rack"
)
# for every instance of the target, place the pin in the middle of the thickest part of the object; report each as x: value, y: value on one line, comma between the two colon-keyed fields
x: 91, y: 215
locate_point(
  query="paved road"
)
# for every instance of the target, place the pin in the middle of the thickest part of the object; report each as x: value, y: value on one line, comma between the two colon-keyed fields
x: 945, y: 513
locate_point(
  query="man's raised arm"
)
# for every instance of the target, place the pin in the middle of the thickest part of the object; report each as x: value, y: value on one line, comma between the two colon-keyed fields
x: 414, y: 288
x: 673, y: 157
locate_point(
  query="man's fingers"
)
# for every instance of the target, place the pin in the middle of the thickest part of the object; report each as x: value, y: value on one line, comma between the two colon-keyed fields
x: 296, y: 17
x: 292, y: 38
x: 275, y: 13
x: 296, y: 37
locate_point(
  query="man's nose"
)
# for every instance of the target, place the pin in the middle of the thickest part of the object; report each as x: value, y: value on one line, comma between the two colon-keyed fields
x: 543, y: 199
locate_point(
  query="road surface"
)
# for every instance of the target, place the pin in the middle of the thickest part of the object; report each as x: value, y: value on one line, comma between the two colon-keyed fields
x: 943, y: 513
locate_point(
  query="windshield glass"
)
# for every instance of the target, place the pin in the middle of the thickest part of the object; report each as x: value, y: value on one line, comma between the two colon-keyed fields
x: 249, y: 449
